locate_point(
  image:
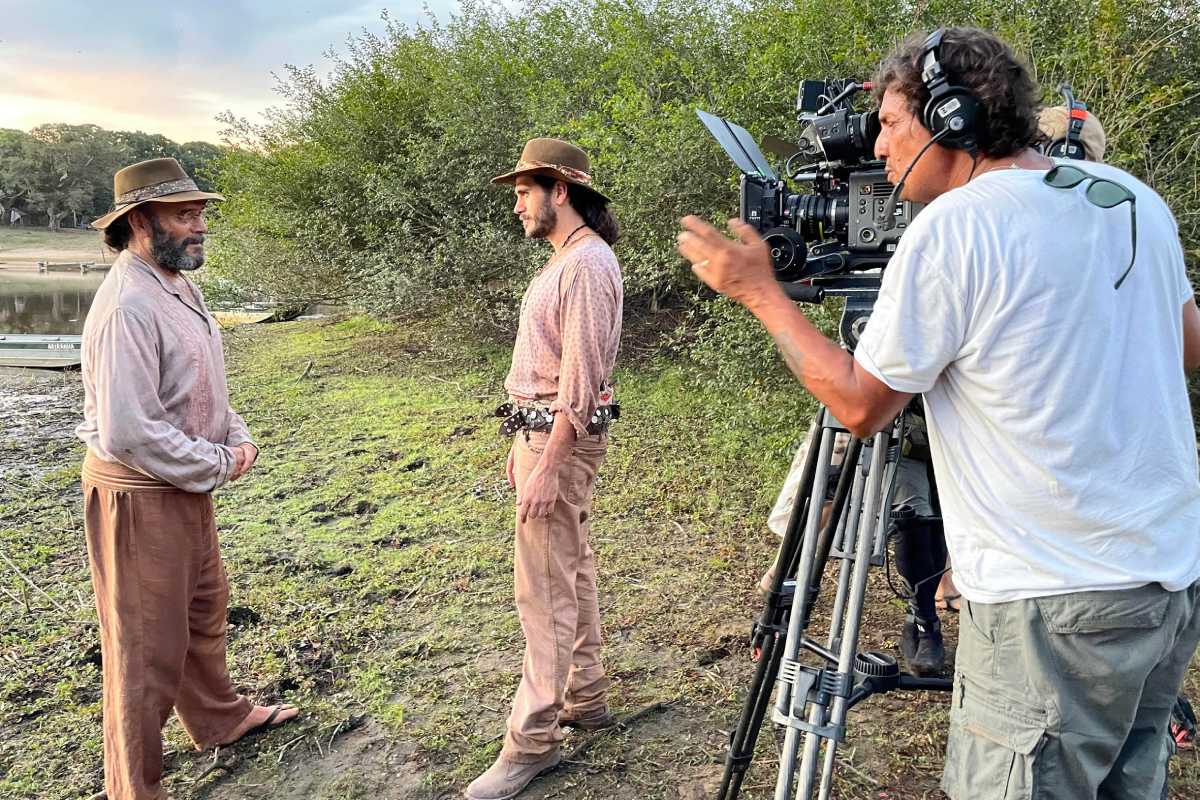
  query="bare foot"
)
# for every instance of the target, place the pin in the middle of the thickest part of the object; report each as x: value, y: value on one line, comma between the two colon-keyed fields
x: 262, y: 718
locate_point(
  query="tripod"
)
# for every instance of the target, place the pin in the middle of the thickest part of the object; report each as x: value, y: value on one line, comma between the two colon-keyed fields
x: 811, y: 702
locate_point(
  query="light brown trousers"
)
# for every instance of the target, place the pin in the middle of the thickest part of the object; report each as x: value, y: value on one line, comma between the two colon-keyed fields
x: 161, y: 595
x: 555, y: 583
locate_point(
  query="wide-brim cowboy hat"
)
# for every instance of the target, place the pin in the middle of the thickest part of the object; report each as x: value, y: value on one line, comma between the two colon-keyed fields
x: 159, y: 180
x: 556, y: 159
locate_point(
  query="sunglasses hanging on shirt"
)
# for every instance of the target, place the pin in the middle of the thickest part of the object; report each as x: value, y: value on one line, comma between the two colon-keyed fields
x: 1100, y: 192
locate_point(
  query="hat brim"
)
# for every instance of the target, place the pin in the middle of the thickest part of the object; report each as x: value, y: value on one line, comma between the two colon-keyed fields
x: 178, y: 197
x: 549, y: 172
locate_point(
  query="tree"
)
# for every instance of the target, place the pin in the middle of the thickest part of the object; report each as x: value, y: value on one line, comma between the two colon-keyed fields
x: 64, y: 168
x: 68, y: 169
x: 12, y: 144
x: 199, y: 159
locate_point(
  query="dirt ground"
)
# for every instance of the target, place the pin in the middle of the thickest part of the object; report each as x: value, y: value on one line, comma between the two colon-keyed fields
x: 370, y: 561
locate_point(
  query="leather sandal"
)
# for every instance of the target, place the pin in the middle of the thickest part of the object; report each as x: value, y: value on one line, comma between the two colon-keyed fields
x: 266, y: 724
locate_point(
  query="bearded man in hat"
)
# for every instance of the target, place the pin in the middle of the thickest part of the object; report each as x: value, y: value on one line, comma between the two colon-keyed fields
x: 561, y: 402
x: 161, y: 438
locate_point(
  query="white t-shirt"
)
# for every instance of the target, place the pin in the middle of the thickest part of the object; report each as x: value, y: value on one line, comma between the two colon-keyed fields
x: 1058, y: 414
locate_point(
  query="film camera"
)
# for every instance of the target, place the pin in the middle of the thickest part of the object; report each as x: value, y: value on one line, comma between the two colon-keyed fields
x: 836, y: 238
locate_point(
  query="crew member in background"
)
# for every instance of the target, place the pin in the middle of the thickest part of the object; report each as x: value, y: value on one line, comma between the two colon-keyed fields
x: 919, y: 546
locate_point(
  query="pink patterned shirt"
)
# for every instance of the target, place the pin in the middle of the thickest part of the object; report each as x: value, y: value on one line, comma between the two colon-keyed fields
x: 569, y: 331
x: 155, y: 397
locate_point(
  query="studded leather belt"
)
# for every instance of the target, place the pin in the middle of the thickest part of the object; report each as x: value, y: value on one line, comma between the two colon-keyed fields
x: 538, y: 417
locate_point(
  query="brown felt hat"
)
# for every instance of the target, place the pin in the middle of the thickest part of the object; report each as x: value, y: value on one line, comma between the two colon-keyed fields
x: 159, y: 180
x: 554, y: 158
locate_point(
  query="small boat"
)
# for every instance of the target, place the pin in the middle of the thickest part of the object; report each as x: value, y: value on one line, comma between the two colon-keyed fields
x: 227, y: 319
x: 92, y: 266
x: 39, y: 350
x: 255, y: 313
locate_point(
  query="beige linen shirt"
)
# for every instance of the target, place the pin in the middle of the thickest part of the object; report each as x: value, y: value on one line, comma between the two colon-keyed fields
x: 155, y: 397
x: 569, y: 331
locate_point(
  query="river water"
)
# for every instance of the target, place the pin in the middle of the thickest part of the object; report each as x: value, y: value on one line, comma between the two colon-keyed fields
x: 58, y: 303
x: 55, y: 303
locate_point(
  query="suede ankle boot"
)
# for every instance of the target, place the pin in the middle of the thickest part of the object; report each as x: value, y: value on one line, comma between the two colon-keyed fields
x: 505, y: 778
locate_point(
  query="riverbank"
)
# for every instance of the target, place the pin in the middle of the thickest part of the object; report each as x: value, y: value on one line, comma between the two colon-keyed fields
x: 22, y: 247
x: 369, y: 555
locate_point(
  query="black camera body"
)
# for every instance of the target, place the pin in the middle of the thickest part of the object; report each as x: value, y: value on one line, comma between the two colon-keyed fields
x: 842, y: 218
x: 836, y: 238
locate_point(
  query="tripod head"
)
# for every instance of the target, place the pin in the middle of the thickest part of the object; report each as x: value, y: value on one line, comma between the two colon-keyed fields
x: 860, y: 290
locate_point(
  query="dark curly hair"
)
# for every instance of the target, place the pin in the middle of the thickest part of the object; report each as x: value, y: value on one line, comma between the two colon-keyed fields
x: 118, y: 233
x: 590, y: 206
x: 979, y: 61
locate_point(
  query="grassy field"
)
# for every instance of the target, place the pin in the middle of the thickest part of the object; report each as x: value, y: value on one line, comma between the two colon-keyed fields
x: 370, y: 561
x: 29, y: 245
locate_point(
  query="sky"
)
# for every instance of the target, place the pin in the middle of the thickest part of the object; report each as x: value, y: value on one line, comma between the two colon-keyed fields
x: 168, y: 67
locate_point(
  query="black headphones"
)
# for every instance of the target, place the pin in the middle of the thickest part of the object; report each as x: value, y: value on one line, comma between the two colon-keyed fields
x: 1071, y: 145
x: 952, y: 111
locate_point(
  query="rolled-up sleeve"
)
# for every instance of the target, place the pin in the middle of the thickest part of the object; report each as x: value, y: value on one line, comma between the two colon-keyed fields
x: 589, y: 312
x: 130, y: 418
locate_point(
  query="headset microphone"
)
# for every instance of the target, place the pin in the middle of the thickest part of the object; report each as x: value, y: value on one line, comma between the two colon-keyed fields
x: 1071, y: 144
x: 951, y: 115
x: 888, y: 218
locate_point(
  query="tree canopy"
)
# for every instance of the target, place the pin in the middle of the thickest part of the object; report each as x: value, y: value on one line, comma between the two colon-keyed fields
x: 58, y: 170
x: 372, y: 184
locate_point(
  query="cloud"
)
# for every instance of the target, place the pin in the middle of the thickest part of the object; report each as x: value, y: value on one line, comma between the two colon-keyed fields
x: 170, y: 69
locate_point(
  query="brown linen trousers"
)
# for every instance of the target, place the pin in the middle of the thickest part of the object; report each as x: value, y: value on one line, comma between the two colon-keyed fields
x: 555, y: 583
x: 161, y: 595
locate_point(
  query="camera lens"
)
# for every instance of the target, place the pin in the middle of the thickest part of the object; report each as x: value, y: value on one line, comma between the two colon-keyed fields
x: 818, y: 216
x: 846, y: 136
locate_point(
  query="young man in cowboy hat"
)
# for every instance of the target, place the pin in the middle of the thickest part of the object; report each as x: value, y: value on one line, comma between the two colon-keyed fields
x: 560, y: 406
x: 161, y: 437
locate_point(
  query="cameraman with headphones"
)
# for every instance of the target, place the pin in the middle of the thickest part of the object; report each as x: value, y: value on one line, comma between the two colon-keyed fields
x: 1066, y: 131
x: 1043, y: 311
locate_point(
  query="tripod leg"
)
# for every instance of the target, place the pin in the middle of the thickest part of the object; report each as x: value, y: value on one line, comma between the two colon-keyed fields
x: 854, y: 523
x: 848, y: 528
x: 831, y: 528
x: 784, y: 686
x: 873, y: 529
x: 817, y: 702
x: 741, y: 743
x: 766, y: 635
x: 790, y: 547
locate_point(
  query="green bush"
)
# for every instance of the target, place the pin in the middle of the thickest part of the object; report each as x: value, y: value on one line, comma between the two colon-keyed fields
x: 372, y: 186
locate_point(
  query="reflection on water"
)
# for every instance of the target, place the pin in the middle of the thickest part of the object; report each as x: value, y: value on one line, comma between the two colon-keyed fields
x: 45, y: 303
x: 33, y: 303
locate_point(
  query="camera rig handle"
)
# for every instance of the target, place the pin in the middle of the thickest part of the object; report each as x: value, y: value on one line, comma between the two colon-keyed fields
x: 804, y: 293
